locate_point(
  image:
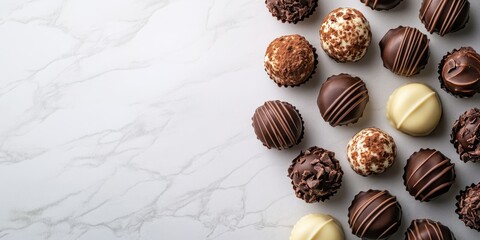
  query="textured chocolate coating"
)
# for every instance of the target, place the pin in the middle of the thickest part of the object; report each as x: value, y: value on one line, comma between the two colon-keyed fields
x: 428, y: 174
x: 291, y: 11
x: 426, y: 229
x: 381, y: 4
x: 405, y: 50
x: 374, y: 214
x: 371, y: 151
x: 342, y: 99
x: 278, y: 124
x: 345, y: 35
x: 459, y: 72
x: 290, y: 60
x: 316, y: 175
x: 468, y: 206
x: 465, y: 135
x: 444, y: 16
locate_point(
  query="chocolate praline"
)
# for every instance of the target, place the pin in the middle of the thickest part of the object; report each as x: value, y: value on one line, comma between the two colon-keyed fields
x: 381, y: 4
x: 428, y: 174
x: 290, y: 60
x: 291, y: 11
x: 405, y: 51
x: 465, y: 135
x: 345, y: 35
x: 371, y: 151
x: 374, y: 214
x: 459, y: 72
x: 278, y: 125
x: 342, y: 99
x: 316, y: 175
x: 426, y: 229
x: 444, y: 16
x: 468, y: 206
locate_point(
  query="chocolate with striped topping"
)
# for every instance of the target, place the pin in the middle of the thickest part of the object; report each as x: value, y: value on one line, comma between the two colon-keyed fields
x: 342, y: 99
x: 426, y: 229
x: 374, y: 214
x: 278, y: 125
x: 405, y: 50
x: 428, y: 174
x: 444, y: 16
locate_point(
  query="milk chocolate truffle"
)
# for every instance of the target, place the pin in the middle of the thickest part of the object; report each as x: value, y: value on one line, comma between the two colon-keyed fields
x: 316, y: 175
x: 404, y: 51
x: 465, y: 135
x: 459, y: 72
x: 444, y: 16
x: 428, y: 174
x: 381, y: 4
x: 426, y: 229
x: 468, y: 206
x: 317, y: 227
x: 291, y: 11
x: 278, y: 124
x: 374, y: 214
x: 342, y: 99
x: 345, y: 35
x: 371, y: 151
x: 290, y: 60
x: 414, y: 109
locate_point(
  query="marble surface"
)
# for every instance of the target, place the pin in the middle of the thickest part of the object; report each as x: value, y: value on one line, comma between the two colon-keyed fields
x: 131, y: 119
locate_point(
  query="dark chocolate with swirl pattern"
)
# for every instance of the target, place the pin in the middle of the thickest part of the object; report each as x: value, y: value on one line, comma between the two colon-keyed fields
x: 459, y: 72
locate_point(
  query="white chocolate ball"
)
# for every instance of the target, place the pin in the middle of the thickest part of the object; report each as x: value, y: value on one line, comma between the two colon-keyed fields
x: 317, y: 227
x: 414, y: 109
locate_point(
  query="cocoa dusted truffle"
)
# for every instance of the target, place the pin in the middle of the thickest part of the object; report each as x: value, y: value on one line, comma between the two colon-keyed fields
x: 342, y: 99
x: 404, y: 51
x: 345, y: 35
x: 465, y: 135
x: 459, y: 72
x: 278, y: 125
x: 381, y: 4
x: 290, y: 60
x: 316, y: 175
x: 426, y: 229
x: 291, y: 11
x: 468, y: 206
x: 444, y: 16
x: 428, y: 174
x: 371, y: 151
x: 374, y: 214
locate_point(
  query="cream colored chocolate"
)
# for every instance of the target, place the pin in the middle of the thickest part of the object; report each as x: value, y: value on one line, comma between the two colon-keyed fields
x: 414, y: 109
x: 345, y: 35
x: 317, y: 227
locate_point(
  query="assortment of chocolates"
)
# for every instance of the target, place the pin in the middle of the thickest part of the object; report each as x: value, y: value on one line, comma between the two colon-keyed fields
x: 414, y: 109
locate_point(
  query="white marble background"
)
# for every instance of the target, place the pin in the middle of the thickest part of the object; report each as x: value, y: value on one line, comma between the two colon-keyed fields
x: 130, y: 119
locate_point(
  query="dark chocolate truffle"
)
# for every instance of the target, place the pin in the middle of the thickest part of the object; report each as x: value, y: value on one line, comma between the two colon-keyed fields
x: 468, y: 206
x: 428, y: 174
x: 291, y: 11
x: 342, y: 99
x: 316, y: 175
x: 345, y: 35
x: 381, y: 4
x: 465, y: 135
x: 444, y: 16
x: 405, y: 50
x: 459, y: 72
x: 374, y: 214
x: 278, y: 124
x: 426, y: 229
x: 290, y: 60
